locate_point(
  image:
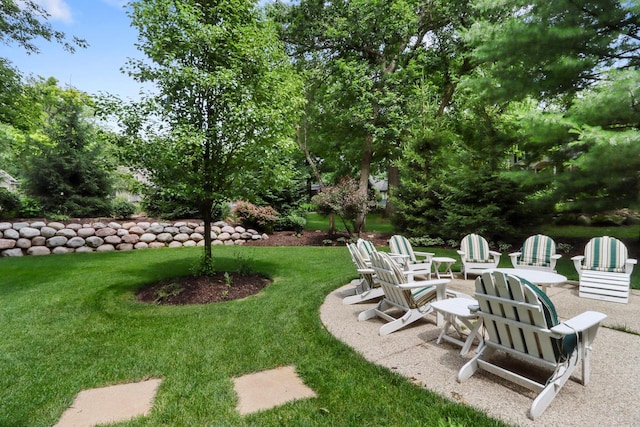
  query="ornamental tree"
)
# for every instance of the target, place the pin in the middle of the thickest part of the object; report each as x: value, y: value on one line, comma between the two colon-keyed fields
x: 225, y: 104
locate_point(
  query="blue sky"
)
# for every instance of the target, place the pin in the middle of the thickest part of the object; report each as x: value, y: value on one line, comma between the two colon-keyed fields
x: 105, y: 25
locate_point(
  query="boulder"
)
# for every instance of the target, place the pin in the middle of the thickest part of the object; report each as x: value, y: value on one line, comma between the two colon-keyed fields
x: 74, y: 226
x: 106, y: 231
x: 156, y: 245
x: 189, y: 243
x: 148, y: 237
x: 66, y: 232
x: 164, y: 237
x: 19, y: 225
x: 224, y: 236
x: 11, y: 234
x: 172, y: 230
x: 55, y: 241
x: 141, y: 245
x: 56, y: 225
x: 12, y: 252
x: 48, y: 231
x: 136, y: 230
x: 125, y: 247
x: 113, y: 240
x: 196, y: 237
x: 75, y: 242
x: 105, y: 248
x: 7, y: 244
x: 38, y: 250
x: 29, y: 232
x: 86, y: 232
x: 38, y: 224
x: 23, y: 243
x: 38, y: 241
x: 131, y: 238
x: 59, y: 250
x: 5, y: 226
x: 114, y: 225
x: 94, y: 241
x: 181, y: 237
x: 84, y: 249
x: 175, y: 244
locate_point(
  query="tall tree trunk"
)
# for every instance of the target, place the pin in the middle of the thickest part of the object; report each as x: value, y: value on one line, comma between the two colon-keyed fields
x: 363, y: 184
x: 393, y: 182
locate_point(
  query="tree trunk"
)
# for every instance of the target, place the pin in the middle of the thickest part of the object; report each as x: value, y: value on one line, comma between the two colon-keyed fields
x: 363, y: 184
x: 205, y: 211
x: 393, y: 182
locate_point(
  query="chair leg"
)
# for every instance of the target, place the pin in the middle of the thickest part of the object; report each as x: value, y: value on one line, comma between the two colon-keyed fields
x: 364, y: 296
x: 410, y: 317
x: 470, y: 368
x: 552, y: 388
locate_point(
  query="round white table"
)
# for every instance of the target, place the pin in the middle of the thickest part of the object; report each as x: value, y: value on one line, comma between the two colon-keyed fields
x: 539, y: 277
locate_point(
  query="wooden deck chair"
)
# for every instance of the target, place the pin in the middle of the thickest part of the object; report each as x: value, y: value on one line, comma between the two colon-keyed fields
x: 475, y: 255
x: 411, y: 299
x: 402, y: 252
x: 366, y: 289
x: 366, y: 248
x: 521, y: 321
x: 537, y: 253
x: 605, y: 270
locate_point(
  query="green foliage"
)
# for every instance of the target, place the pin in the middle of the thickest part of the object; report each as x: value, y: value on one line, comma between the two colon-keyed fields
x: 260, y: 217
x: 167, y: 203
x: 292, y: 221
x: 10, y: 204
x: 122, y: 208
x: 67, y: 173
x: 426, y: 241
x: 30, y: 208
x: 204, y: 266
x: 24, y: 21
x: 244, y: 264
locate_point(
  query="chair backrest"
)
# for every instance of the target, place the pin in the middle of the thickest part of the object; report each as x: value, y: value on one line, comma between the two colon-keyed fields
x: 605, y: 254
x: 400, y: 245
x: 361, y: 264
x: 366, y: 248
x: 518, y: 316
x: 537, y: 251
x: 475, y: 248
x: 389, y: 276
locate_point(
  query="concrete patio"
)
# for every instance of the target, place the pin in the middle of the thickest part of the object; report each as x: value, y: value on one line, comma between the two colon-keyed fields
x: 610, y: 398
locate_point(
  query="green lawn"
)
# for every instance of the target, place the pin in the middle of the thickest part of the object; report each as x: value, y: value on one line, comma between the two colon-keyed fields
x: 376, y: 223
x: 71, y: 322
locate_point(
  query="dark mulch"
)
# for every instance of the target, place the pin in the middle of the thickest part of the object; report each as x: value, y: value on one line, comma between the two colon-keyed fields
x: 202, y: 289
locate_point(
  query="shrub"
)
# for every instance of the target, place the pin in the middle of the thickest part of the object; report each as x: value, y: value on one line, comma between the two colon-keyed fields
x: 123, y: 208
x: 260, y: 217
x: 292, y: 221
x: 30, y: 208
x: 9, y: 204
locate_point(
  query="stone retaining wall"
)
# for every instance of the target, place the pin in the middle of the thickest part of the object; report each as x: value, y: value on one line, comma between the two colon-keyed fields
x: 40, y: 238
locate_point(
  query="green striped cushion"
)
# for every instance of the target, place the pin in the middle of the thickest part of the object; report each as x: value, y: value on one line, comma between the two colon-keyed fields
x: 605, y: 254
x: 476, y: 248
x: 400, y: 245
x: 366, y: 247
x: 562, y: 347
x: 537, y: 251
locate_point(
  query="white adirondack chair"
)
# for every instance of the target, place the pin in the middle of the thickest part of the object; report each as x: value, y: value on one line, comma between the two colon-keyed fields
x: 605, y: 270
x: 414, y: 262
x: 521, y: 321
x: 412, y: 299
x: 366, y: 249
x: 475, y: 255
x: 366, y: 288
x: 537, y: 253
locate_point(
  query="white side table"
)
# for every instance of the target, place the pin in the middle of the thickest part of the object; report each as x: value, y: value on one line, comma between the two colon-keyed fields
x: 457, y: 310
x: 448, y: 262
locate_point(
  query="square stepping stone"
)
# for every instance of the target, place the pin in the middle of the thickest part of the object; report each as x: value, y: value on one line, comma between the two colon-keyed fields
x: 267, y: 389
x: 110, y: 404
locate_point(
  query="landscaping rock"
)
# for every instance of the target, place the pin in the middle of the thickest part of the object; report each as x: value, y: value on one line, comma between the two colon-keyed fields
x: 12, y: 252
x: 55, y: 241
x: 38, y: 250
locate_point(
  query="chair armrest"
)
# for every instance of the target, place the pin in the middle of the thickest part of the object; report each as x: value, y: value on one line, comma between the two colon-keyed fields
x: 494, y: 253
x: 427, y: 256
x: 424, y: 283
x: 556, y: 256
x: 577, y: 263
x: 514, y: 258
x: 455, y: 294
x: 579, y: 323
x: 366, y: 271
x: 515, y: 254
x: 461, y: 253
x: 577, y: 258
x: 632, y: 261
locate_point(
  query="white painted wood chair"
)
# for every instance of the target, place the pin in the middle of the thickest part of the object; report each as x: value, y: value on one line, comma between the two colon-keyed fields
x: 521, y: 321
x: 537, y: 253
x: 366, y: 249
x: 475, y: 255
x: 366, y: 288
x: 605, y: 270
x: 401, y: 295
x: 415, y: 262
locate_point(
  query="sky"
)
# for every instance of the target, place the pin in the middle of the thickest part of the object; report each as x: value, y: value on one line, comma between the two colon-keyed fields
x: 105, y: 26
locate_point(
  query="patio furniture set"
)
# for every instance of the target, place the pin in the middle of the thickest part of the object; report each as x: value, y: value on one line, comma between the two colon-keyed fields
x: 508, y: 313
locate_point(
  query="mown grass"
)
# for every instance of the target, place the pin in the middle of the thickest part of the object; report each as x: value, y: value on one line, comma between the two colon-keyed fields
x: 376, y: 223
x: 71, y: 322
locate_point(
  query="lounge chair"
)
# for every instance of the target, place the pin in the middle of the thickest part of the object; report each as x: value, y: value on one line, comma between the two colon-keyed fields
x: 605, y: 270
x: 366, y: 249
x: 475, y: 255
x: 366, y: 289
x: 537, y: 253
x: 521, y: 321
x: 414, y: 262
x: 412, y: 299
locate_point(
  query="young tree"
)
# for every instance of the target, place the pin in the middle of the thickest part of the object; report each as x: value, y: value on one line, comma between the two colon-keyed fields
x: 64, y: 167
x: 226, y: 103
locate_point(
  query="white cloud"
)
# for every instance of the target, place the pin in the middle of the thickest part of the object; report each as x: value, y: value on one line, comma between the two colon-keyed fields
x: 58, y: 10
